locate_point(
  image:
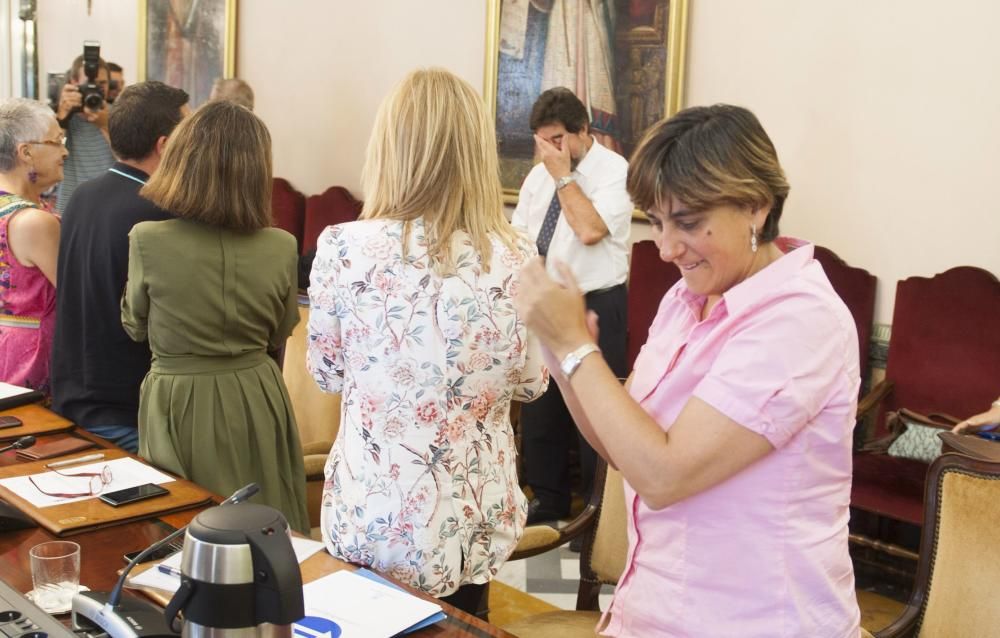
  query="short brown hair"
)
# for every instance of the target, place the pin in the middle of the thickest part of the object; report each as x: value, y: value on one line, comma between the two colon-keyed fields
x: 141, y: 115
x: 708, y: 156
x: 562, y: 106
x: 216, y: 169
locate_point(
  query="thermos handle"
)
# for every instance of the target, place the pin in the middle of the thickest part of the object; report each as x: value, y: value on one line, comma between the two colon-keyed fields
x: 178, y: 602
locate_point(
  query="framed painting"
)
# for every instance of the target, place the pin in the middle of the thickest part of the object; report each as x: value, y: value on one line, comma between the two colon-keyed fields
x: 623, y: 58
x: 187, y: 43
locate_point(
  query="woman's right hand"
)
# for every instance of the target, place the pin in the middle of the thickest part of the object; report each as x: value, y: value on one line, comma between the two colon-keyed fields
x: 554, y: 312
x: 983, y: 422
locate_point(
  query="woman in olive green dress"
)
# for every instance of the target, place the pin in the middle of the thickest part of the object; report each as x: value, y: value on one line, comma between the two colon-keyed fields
x: 214, y: 292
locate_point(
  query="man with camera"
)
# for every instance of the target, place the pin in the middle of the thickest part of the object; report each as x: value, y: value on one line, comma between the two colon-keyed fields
x: 83, y: 113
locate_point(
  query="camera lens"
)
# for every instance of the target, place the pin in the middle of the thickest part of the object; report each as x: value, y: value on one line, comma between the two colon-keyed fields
x: 93, y: 101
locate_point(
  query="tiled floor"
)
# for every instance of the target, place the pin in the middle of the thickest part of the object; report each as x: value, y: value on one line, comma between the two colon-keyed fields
x: 552, y: 577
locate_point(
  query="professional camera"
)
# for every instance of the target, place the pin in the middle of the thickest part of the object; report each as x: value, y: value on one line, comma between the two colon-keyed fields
x: 92, y: 94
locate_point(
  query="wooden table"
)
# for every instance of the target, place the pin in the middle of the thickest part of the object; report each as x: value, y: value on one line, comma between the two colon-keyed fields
x: 102, y: 549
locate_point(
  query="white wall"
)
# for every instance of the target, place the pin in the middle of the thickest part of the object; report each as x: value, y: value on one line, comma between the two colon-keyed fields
x: 63, y: 25
x: 885, y: 114
x: 320, y: 79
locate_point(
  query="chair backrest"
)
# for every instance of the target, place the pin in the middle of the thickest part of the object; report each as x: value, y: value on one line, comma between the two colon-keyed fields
x: 856, y: 287
x: 288, y: 207
x: 335, y: 206
x: 649, y: 279
x: 316, y: 412
x: 604, y: 559
x: 957, y: 576
x: 944, y: 350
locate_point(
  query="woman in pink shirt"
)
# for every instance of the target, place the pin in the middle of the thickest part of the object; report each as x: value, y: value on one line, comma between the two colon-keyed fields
x: 734, y: 432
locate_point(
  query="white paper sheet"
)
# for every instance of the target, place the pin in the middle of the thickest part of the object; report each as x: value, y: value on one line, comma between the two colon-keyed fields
x: 364, y: 608
x: 7, y: 390
x: 153, y: 577
x: 125, y: 473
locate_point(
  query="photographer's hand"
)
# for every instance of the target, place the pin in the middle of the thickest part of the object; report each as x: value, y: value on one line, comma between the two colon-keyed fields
x: 69, y: 99
x: 98, y: 118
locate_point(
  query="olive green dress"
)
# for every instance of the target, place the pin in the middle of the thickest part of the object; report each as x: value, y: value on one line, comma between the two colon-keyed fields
x: 214, y: 408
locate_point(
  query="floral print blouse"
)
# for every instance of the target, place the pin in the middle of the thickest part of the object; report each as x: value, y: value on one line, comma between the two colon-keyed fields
x: 421, y: 483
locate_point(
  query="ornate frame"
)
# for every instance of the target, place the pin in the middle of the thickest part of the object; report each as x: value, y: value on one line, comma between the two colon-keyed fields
x: 672, y: 35
x: 228, y: 69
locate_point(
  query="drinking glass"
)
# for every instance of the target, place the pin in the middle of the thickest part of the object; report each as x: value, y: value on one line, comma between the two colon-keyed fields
x: 55, y: 574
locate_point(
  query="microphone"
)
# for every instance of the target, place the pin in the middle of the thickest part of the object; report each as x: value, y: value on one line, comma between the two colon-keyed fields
x: 22, y: 443
x: 135, y: 618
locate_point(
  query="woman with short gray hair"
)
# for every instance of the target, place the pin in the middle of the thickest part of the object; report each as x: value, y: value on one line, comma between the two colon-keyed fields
x: 32, y: 152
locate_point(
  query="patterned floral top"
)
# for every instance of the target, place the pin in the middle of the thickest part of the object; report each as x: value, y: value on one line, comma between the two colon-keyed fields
x: 422, y: 480
x: 27, y: 310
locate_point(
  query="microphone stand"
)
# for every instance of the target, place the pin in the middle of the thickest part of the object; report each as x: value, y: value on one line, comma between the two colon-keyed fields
x: 133, y: 617
x: 22, y: 443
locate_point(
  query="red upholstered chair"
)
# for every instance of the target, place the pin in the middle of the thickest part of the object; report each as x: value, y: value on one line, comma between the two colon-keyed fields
x: 649, y: 279
x: 944, y: 358
x: 335, y: 206
x: 856, y: 287
x: 289, y: 208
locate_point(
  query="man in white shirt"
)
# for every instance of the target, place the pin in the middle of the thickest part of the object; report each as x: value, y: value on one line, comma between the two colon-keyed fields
x: 575, y: 206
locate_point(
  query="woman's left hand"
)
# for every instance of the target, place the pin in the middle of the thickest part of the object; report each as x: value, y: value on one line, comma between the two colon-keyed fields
x: 555, y: 313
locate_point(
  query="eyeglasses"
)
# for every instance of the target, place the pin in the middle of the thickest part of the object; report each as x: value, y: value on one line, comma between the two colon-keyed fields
x: 59, y: 142
x: 97, y: 482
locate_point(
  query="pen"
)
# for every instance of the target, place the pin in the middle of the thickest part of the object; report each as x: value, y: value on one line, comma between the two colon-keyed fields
x: 81, y: 459
x: 169, y: 571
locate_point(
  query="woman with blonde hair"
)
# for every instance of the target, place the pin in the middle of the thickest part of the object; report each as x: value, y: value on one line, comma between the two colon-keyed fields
x: 215, y: 291
x: 32, y: 152
x: 412, y: 319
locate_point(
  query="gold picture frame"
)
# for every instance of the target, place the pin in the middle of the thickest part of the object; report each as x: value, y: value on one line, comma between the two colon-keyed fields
x: 187, y: 43
x: 648, y: 49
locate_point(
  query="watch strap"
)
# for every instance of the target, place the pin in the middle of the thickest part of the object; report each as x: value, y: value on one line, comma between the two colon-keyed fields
x: 572, y: 361
x: 564, y: 181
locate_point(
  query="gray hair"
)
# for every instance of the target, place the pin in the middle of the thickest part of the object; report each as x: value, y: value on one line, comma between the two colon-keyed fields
x: 233, y: 90
x: 21, y: 120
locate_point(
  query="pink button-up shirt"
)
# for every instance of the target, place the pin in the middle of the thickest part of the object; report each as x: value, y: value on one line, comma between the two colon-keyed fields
x: 765, y: 552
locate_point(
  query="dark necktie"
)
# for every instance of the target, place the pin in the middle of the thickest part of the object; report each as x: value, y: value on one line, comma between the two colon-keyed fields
x: 548, y: 226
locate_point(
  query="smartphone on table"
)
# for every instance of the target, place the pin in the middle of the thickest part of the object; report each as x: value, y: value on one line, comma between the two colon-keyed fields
x: 7, y: 421
x: 133, y: 494
x: 167, y: 550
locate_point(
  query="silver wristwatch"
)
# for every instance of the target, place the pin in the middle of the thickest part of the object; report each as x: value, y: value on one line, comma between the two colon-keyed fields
x: 573, y: 360
x: 564, y: 181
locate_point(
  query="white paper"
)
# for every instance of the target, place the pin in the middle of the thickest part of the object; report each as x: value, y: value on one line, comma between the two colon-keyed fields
x: 125, y: 473
x: 7, y: 390
x: 364, y: 608
x: 153, y: 577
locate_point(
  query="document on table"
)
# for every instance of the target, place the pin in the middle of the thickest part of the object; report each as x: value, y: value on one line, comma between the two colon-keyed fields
x: 7, y: 390
x: 153, y: 577
x: 125, y: 473
x: 362, y: 608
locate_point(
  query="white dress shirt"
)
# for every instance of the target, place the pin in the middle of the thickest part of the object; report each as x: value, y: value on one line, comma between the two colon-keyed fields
x: 601, y: 176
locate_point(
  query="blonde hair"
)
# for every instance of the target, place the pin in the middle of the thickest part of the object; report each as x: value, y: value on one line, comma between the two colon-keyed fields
x: 432, y: 156
x: 216, y: 169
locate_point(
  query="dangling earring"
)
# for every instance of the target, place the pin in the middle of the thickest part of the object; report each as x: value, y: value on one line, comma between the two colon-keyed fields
x: 753, y: 238
x: 32, y: 175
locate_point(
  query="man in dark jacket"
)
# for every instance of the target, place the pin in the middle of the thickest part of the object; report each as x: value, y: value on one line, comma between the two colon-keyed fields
x: 96, y: 368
